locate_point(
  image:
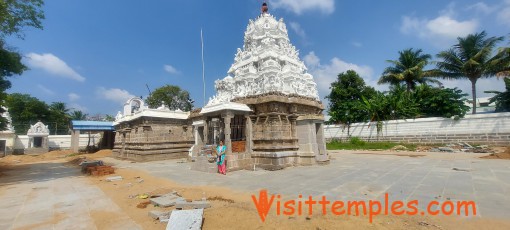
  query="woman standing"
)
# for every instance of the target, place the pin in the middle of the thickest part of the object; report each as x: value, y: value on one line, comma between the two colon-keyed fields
x: 220, y: 152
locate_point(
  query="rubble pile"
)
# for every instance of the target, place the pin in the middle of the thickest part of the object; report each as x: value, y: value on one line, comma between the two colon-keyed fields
x: 462, y: 147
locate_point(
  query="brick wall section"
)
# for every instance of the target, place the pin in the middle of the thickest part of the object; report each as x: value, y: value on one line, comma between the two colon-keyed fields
x: 492, y: 129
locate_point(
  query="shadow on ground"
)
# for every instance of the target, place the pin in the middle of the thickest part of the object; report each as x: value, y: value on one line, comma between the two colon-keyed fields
x: 36, y: 172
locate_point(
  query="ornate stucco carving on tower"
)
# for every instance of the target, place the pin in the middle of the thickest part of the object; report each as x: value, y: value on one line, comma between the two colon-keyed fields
x: 267, y: 63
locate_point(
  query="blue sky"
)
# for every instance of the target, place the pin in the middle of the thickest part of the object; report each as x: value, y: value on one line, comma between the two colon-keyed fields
x: 94, y: 55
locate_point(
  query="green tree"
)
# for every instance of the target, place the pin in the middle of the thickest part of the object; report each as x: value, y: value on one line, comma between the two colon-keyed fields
x: 77, y: 115
x: 408, y: 69
x: 440, y: 102
x: 377, y: 110
x: 26, y: 110
x: 400, y: 103
x: 109, y: 117
x: 345, y: 99
x: 471, y: 58
x: 15, y: 15
x: 59, y: 119
x: 502, y: 99
x: 172, y: 96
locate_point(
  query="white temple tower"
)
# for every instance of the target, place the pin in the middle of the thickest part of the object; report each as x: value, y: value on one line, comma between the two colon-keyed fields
x: 267, y: 110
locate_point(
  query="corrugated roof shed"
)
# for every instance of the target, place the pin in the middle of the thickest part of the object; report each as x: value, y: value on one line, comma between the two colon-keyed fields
x: 93, y: 125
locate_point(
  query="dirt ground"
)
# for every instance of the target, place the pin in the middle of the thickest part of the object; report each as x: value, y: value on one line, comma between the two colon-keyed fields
x: 232, y: 209
x: 499, y: 154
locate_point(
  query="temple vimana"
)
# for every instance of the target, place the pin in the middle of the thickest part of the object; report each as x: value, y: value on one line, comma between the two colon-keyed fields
x: 267, y: 110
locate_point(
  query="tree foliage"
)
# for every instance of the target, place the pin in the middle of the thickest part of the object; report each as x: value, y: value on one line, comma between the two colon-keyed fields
x: 472, y: 58
x: 502, y: 99
x: 172, y: 97
x: 345, y: 99
x: 441, y: 102
x: 59, y: 117
x: 398, y: 103
x: 78, y: 115
x: 408, y: 69
x: 15, y: 15
x: 25, y: 110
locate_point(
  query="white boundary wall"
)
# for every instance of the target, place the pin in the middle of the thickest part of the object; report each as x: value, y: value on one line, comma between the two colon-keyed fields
x: 493, y: 128
x: 59, y: 141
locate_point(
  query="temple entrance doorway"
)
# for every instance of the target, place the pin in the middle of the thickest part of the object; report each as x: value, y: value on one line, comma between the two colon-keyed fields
x: 215, y: 131
x: 238, y: 130
x: 38, y: 142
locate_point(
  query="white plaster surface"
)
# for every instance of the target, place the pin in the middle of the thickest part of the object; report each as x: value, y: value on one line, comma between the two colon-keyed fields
x: 59, y: 141
x: 470, y: 124
x: 267, y: 62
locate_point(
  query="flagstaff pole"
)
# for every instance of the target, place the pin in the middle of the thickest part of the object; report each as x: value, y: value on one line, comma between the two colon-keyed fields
x: 203, y: 65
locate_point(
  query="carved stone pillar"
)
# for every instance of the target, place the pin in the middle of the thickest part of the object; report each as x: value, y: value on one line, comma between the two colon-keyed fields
x: 226, y: 120
x: 249, y: 133
x: 206, y: 131
x: 292, y: 119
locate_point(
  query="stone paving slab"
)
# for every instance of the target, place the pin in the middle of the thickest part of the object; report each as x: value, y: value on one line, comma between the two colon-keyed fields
x: 167, y: 200
x: 186, y: 219
x: 54, y: 196
x: 351, y: 175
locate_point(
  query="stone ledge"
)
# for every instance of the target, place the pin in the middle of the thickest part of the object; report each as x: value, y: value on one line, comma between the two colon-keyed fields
x: 289, y: 99
x: 273, y: 154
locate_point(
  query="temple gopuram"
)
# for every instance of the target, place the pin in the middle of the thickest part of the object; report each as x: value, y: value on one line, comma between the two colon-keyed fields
x: 266, y: 110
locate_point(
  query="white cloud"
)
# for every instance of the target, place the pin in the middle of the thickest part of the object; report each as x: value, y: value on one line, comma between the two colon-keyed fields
x: 311, y: 60
x: 325, y: 74
x: 114, y: 94
x: 481, y: 7
x: 45, y: 90
x: 170, y: 69
x: 484, y: 84
x: 300, y: 6
x: 500, y: 10
x: 53, y: 65
x: 357, y: 44
x: 297, y: 29
x: 504, y: 13
x: 443, y: 27
x: 76, y: 107
x: 73, y: 97
x: 440, y: 31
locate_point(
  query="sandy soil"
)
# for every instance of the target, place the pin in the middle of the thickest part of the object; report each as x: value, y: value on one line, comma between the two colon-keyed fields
x: 499, y: 155
x: 53, y: 155
x: 232, y: 209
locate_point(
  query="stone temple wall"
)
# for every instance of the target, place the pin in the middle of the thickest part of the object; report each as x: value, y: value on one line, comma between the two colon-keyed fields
x: 149, y: 138
x: 286, y: 131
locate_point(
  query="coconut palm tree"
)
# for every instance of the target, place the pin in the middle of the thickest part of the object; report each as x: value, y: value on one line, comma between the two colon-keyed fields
x: 77, y: 115
x: 472, y: 58
x: 504, y: 54
x: 408, y: 69
x: 59, y: 116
